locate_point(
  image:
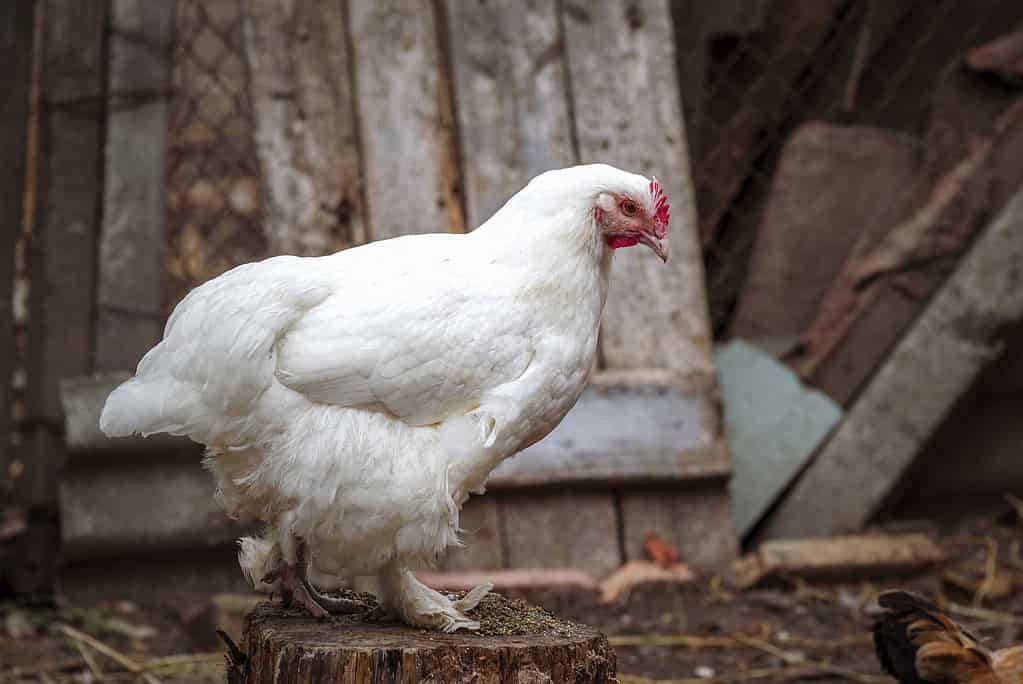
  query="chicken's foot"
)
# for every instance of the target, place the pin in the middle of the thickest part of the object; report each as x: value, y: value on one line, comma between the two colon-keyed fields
x: 297, y: 590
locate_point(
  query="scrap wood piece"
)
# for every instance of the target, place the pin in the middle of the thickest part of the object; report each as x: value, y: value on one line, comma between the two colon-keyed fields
x: 960, y: 333
x: 517, y: 579
x: 620, y: 583
x: 1002, y: 58
x: 970, y: 168
x: 848, y: 557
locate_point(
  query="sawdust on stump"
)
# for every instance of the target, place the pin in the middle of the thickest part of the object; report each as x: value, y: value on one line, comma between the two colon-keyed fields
x: 515, y: 640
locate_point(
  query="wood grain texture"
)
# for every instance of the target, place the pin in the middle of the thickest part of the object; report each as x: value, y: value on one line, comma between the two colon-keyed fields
x: 481, y: 536
x: 656, y: 313
x: 305, y: 131
x: 283, y: 649
x: 136, y: 507
x: 959, y: 333
x: 823, y: 201
x: 134, y: 220
x: 512, y: 102
x: 16, y: 37
x: 697, y: 521
x: 572, y: 529
x: 405, y: 122
x: 67, y: 210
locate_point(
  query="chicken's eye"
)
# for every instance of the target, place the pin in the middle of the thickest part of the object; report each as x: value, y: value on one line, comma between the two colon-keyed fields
x: 629, y: 208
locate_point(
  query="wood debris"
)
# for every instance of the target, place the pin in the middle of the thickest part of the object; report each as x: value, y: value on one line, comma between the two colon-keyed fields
x: 619, y: 584
x: 850, y: 557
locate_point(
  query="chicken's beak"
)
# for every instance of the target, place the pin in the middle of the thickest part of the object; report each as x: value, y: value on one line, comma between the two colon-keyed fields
x: 660, y: 247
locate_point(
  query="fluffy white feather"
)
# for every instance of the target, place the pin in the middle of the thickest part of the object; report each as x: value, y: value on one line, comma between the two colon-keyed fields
x: 354, y: 401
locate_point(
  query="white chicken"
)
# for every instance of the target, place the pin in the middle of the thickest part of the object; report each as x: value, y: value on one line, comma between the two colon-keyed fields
x: 354, y: 401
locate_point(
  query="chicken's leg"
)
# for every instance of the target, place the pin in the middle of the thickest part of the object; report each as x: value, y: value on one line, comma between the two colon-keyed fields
x: 420, y: 606
x: 297, y: 590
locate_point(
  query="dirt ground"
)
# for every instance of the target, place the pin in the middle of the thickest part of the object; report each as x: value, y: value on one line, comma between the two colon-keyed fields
x: 703, y: 632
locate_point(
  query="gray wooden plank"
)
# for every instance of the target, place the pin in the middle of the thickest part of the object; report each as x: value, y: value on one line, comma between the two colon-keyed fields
x: 656, y: 314
x: 561, y: 530
x: 405, y: 122
x: 134, y: 220
x: 959, y: 333
x: 627, y: 427
x: 306, y: 136
x: 512, y: 103
x: 481, y: 535
x: 141, y: 507
x: 67, y: 207
x: 828, y: 175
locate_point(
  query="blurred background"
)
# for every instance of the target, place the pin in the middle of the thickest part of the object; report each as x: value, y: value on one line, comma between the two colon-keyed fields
x: 842, y: 313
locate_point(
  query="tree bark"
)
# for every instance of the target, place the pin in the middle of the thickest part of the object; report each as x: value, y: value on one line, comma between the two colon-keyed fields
x: 287, y: 649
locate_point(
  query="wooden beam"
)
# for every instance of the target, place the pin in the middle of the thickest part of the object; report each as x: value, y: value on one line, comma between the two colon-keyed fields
x: 130, y: 317
x: 960, y: 332
x: 405, y: 121
x: 306, y: 136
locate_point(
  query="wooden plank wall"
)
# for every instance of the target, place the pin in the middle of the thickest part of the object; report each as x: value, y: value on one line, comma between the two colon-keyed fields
x: 306, y: 137
x: 132, y: 238
x: 424, y: 116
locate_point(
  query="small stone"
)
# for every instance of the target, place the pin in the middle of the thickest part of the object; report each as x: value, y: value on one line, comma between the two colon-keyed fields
x: 704, y: 672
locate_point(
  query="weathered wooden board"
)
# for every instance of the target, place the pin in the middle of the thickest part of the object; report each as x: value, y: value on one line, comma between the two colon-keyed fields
x: 134, y: 221
x: 16, y: 36
x: 405, y: 122
x: 305, y: 129
x: 512, y: 103
x: 563, y: 530
x: 481, y: 535
x: 885, y: 283
x: 849, y: 558
x: 656, y: 314
x: 824, y: 198
x: 627, y: 428
x: 139, y: 507
x: 774, y: 424
x: 959, y: 333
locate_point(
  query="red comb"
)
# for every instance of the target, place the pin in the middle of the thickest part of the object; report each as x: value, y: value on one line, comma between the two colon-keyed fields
x: 662, y: 210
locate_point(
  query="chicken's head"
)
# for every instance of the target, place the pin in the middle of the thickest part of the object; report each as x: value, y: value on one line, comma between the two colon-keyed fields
x: 629, y: 218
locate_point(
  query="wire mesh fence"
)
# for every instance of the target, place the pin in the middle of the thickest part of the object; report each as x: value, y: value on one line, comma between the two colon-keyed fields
x: 214, y: 196
x: 748, y: 82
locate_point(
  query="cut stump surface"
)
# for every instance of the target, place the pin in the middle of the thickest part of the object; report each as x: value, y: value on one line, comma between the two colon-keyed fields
x: 284, y: 647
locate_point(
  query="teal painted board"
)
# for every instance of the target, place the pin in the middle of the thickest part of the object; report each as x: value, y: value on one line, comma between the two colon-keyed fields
x: 773, y: 424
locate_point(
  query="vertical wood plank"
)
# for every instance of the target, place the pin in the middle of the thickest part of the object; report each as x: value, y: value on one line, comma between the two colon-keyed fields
x: 623, y: 52
x: 16, y: 26
x: 405, y: 127
x: 512, y: 103
x: 130, y: 316
x: 513, y: 120
x: 305, y: 133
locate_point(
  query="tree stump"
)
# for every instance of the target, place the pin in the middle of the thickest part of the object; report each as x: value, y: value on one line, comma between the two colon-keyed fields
x: 283, y: 647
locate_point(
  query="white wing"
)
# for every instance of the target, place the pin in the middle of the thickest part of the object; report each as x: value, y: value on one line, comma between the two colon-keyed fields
x: 421, y: 343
